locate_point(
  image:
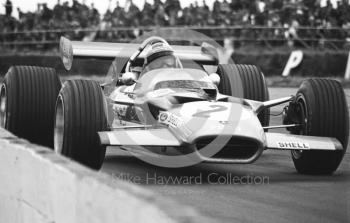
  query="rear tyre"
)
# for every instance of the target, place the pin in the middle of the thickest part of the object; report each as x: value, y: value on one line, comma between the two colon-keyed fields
x: 245, y: 81
x: 80, y: 114
x: 27, y: 107
x: 324, y: 112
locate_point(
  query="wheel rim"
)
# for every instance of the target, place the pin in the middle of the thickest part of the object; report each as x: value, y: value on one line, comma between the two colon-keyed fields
x: 3, y: 106
x: 297, y: 154
x: 59, y: 126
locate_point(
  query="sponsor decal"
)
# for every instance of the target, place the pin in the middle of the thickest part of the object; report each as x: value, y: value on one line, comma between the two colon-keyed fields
x: 170, y: 119
x: 293, y: 145
x: 163, y: 117
x: 176, y: 123
x: 120, y: 110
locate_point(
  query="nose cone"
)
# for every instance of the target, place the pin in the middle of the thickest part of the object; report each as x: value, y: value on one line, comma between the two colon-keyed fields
x: 208, y: 119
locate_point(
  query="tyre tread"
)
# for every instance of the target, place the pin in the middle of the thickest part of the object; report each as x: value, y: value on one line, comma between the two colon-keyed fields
x: 252, y: 83
x: 32, y: 93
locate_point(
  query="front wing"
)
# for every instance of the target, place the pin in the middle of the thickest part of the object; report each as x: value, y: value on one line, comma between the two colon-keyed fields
x: 139, y: 137
x: 164, y: 137
x: 300, y: 142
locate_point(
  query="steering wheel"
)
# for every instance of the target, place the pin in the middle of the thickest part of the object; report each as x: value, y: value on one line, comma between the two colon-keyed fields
x: 143, y: 45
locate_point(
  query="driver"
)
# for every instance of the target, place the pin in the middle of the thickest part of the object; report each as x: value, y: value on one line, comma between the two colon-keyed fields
x: 160, y: 55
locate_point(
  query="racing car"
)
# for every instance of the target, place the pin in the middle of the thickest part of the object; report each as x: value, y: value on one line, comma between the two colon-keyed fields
x: 162, y: 103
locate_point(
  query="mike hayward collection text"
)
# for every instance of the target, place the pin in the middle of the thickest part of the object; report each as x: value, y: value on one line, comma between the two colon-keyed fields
x: 211, y: 178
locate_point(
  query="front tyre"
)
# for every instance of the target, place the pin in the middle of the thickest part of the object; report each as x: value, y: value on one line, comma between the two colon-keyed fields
x: 323, y: 112
x: 245, y: 81
x: 80, y: 114
x: 27, y: 103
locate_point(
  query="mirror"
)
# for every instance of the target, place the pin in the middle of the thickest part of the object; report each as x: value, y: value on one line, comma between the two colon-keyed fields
x: 209, y: 49
x: 66, y: 52
x: 215, y: 78
x: 129, y: 78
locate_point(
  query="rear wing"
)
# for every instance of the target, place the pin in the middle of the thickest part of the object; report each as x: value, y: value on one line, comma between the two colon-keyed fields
x: 204, y: 55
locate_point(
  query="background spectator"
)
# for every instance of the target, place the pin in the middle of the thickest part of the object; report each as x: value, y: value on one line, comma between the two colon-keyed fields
x: 8, y: 8
x: 282, y: 19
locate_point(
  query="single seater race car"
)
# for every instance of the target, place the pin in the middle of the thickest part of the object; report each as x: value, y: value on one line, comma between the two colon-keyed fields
x: 164, y: 107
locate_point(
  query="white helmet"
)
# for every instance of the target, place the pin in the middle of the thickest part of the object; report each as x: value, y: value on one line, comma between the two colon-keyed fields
x: 160, y: 55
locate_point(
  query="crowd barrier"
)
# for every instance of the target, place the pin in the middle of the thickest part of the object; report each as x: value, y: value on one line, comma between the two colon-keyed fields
x: 40, y: 186
x: 314, y: 63
x: 334, y: 38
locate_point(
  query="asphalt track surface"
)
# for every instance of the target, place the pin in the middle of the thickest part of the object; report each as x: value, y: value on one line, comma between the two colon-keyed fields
x: 269, y: 190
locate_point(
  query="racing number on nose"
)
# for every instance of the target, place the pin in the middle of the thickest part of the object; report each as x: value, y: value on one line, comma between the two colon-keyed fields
x: 205, y: 114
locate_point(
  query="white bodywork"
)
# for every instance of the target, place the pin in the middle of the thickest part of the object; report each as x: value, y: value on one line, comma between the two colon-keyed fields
x: 184, y: 124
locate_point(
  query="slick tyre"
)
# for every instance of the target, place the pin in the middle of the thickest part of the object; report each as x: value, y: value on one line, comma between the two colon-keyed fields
x: 324, y: 112
x: 27, y: 103
x: 245, y: 81
x: 80, y: 114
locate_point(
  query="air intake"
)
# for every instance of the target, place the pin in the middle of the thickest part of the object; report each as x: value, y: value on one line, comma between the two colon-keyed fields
x: 235, y: 150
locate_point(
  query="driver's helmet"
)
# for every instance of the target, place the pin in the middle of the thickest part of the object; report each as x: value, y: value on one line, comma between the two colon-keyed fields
x: 160, y: 55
